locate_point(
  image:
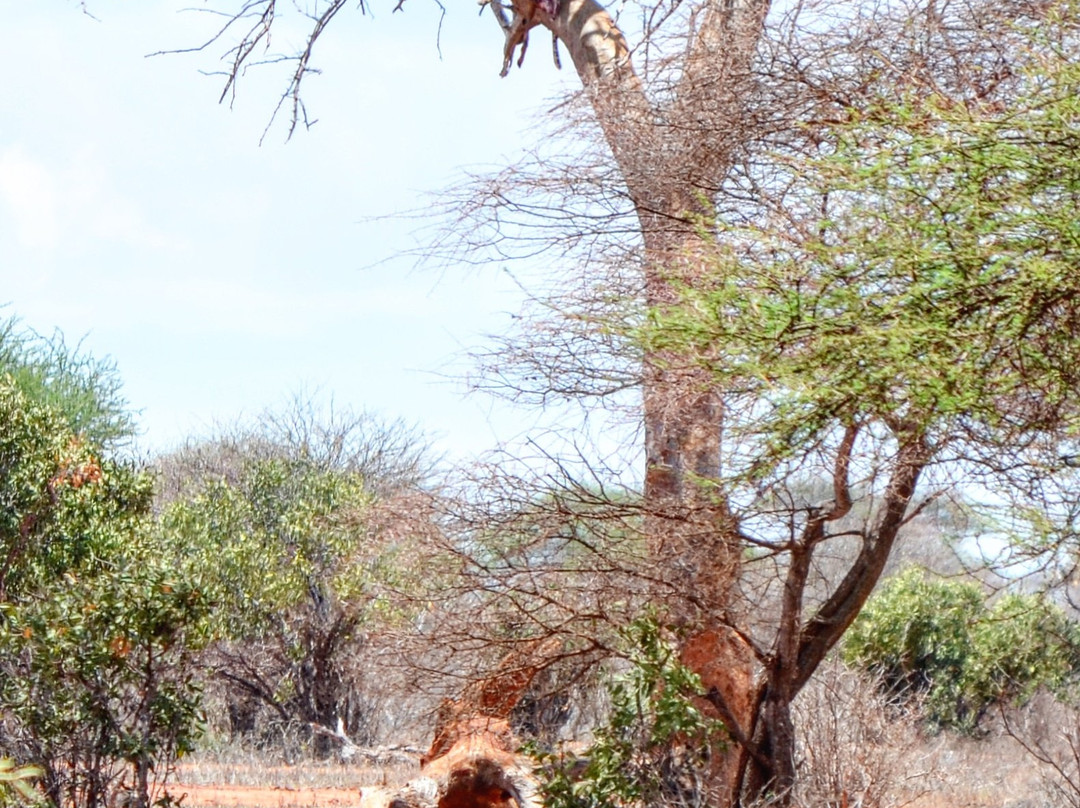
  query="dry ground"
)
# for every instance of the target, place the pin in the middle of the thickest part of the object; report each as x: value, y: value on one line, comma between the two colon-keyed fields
x: 204, y: 783
x: 225, y: 796
x: 990, y: 773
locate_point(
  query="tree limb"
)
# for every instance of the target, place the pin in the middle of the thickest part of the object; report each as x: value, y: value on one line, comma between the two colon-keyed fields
x: 826, y: 627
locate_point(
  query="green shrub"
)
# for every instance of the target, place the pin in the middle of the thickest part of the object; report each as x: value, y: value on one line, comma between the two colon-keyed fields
x: 654, y: 743
x: 1021, y: 644
x: 285, y: 545
x: 96, y: 681
x: 15, y: 787
x: 937, y: 638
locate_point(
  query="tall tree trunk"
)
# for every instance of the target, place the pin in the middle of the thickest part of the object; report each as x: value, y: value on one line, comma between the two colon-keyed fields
x: 672, y: 158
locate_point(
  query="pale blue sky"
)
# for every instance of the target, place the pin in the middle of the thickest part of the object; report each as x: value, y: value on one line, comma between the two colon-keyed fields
x: 221, y: 275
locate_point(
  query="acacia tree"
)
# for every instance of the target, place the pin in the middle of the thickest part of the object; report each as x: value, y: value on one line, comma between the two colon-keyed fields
x: 766, y: 357
x: 901, y: 316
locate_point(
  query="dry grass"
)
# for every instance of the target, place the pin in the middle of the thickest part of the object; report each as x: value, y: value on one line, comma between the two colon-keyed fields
x: 988, y: 772
x: 310, y: 774
x: 860, y: 751
x: 244, y: 778
x: 857, y: 751
x: 239, y: 765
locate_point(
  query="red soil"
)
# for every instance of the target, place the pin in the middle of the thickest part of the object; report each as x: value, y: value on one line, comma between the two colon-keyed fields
x: 227, y: 796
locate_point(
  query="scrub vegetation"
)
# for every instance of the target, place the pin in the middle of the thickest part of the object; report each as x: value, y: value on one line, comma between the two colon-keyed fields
x: 825, y: 257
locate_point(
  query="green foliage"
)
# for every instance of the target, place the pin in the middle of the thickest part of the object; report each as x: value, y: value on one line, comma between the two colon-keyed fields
x: 95, y: 637
x: 919, y: 271
x: 938, y: 638
x: 62, y: 507
x: 655, y: 742
x: 1021, y: 644
x: 916, y: 633
x: 99, y: 680
x: 15, y: 785
x: 283, y: 543
x: 82, y: 390
x: 277, y: 535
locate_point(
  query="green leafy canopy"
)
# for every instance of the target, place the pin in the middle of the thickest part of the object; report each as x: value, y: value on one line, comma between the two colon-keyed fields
x: 83, y: 390
x: 654, y: 740
x: 921, y: 271
x: 97, y: 635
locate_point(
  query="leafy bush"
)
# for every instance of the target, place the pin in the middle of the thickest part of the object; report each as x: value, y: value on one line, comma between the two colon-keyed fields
x: 655, y: 742
x: 98, y: 681
x: 281, y: 541
x: 83, y: 391
x: 15, y: 788
x: 95, y: 638
x: 938, y: 637
x: 1021, y: 644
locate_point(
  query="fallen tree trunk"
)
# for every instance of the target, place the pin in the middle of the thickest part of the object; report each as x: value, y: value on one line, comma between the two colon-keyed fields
x: 479, y: 768
x: 473, y: 760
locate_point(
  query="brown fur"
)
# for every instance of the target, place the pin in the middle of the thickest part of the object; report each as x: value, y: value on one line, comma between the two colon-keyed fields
x: 464, y: 738
x: 518, y: 34
x: 472, y: 763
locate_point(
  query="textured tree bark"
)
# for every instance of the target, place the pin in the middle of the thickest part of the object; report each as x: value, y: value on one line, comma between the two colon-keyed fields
x: 672, y: 158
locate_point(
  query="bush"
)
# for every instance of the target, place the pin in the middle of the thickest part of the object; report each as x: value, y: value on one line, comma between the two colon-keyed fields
x: 857, y: 748
x: 83, y: 391
x: 98, y: 682
x: 655, y: 743
x: 277, y: 525
x: 95, y: 638
x: 938, y: 638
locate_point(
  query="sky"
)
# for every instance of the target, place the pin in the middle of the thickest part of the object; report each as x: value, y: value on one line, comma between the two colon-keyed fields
x: 142, y: 217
